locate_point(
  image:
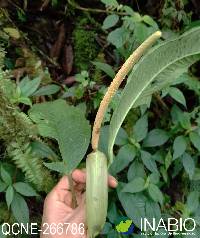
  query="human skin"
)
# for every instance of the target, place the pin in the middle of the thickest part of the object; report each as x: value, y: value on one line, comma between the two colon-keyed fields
x: 58, y: 207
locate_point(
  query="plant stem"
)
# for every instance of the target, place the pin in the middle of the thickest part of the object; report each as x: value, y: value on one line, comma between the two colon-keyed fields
x: 94, y: 10
x: 126, y: 67
x: 157, y: 96
x: 44, y: 5
x: 71, y: 185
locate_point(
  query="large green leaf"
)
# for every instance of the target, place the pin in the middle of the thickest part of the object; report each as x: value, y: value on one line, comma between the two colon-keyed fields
x: 156, y: 137
x: 152, y: 209
x: 193, y: 201
x: 20, y: 209
x: 155, y: 193
x: 67, y: 125
x: 24, y: 189
x: 135, y: 186
x: 133, y: 204
x: 110, y: 21
x: 188, y: 164
x: 179, y: 146
x: 125, y: 155
x: 158, y: 68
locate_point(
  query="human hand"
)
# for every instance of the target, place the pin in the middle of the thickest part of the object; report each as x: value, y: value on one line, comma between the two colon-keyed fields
x: 58, y: 208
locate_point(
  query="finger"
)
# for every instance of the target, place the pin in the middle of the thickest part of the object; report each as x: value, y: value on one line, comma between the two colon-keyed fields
x: 112, y: 182
x: 63, y: 184
x: 79, y: 176
x: 80, y: 188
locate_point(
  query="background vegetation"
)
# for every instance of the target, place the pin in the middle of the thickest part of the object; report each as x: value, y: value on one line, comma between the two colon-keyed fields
x: 71, y: 51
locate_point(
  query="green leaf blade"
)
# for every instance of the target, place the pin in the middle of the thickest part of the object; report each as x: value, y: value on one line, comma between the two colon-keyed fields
x: 156, y: 137
x: 47, y: 90
x: 125, y: 155
x: 106, y: 68
x: 193, y: 201
x: 6, y: 176
x: 136, y: 169
x: 135, y: 186
x: 149, y: 162
x: 188, y: 164
x: 179, y: 146
x: 155, y: 193
x: 176, y: 94
x: 141, y: 128
x: 9, y: 195
x: 110, y: 21
x: 195, y: 139
x: 113, y: 3
x: 20, y: 209
x: 156, y: 69
x: 28, y: 87
x: 3, y: 186
x: 24, y: 189
x: 133, y: 204
x: 67, y: 125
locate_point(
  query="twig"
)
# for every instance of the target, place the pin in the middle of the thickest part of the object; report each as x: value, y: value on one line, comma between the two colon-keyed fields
x: 53, y: 62
x: 157, y: 96
x: 25, y: 4
x: 94, y: 10
x: 15, y: 5
x: 104, y: 48
x: 44, y: 5
x: 138, y: 7
x: 132, y: 60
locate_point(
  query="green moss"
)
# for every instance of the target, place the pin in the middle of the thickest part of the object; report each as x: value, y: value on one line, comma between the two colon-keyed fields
x: 85, y: 46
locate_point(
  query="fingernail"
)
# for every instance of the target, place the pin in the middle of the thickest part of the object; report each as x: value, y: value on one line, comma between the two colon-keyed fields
x: 115, y: 181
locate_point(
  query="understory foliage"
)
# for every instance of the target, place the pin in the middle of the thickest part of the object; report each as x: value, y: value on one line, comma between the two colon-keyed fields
x: 45, y: 121
x: 17, y: 132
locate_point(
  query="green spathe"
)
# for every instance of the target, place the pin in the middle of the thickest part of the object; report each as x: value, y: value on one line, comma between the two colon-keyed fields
x: 96, y: 192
